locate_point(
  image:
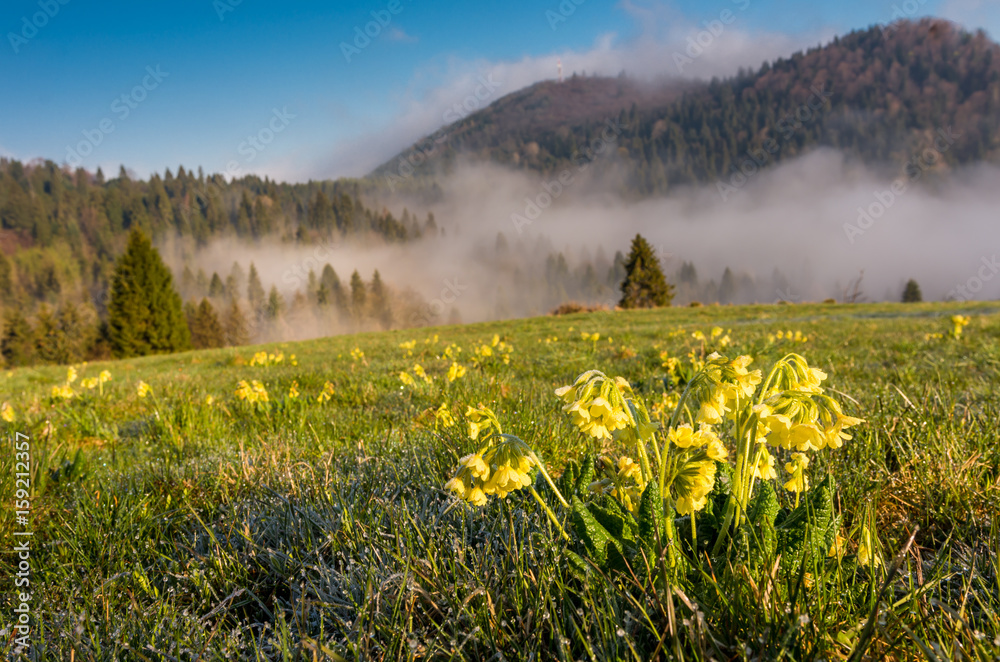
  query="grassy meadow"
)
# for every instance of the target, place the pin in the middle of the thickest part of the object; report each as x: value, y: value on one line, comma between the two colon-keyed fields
x: 191, y: 524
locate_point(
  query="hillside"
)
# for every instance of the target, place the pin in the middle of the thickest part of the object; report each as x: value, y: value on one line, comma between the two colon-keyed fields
x: 318, y: 519
x: 878, y: 96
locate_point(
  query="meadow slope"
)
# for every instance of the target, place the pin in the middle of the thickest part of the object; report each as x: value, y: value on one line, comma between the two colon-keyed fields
x: 190, y: 524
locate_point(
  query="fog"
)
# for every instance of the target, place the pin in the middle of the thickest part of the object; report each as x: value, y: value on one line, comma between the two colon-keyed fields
x: 793, y: 232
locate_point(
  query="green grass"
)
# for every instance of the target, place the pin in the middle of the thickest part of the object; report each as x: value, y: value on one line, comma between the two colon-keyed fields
x: 169, y: 528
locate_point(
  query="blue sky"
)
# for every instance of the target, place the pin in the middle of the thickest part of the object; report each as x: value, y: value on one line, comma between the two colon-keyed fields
x: 200, y: 77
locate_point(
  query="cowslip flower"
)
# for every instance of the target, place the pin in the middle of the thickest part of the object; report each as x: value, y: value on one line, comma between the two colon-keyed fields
x: 406, y: 379
x: 104, y: 377
x: 71, y: 375
x: 442, y: 415
x: 799, y: 482
x: 293, y: 391
x: 89, y: 383
x: 7, y: 412
x: 456, y: 371
x: 326, y: 393
x: 143, y: 389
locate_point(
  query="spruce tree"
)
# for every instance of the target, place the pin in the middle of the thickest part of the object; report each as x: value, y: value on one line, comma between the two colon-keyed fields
x: 206, y: 331
x: 381, y: 308
x: 255, y: 292
x: 145, y: 314
x: 359, y: 296
x: 644, y: 285
x: 49, y: 341
x: 236, y: 328
x: 275, y: 304
x: 911, y: 293
x: 18, y: 342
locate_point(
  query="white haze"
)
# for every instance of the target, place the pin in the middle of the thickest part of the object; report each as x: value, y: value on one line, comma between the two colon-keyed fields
x: 790, y: 217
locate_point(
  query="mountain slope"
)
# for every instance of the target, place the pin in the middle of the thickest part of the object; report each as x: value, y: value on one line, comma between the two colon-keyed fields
x: 881, y: 96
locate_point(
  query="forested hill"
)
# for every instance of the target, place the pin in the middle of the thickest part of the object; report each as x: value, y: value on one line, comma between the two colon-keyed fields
x: 61, y: 231
x: 882, y: 95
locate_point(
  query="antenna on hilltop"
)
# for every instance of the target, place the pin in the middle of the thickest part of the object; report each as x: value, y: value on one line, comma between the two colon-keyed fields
x: 559, y: 67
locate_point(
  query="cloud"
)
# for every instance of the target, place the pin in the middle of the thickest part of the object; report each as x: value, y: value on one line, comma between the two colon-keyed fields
x: 398, y: 34
x: 662, y: 49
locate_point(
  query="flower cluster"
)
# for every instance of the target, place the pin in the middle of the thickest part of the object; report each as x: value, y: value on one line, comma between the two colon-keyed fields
x: 455, y: 371
x: 497, y: 351
x: 597, y: 404
x: 787, y: 336
x: 502, y: 464
x: 265, y: 359
x: 65, y: 391
x: 958, y: 322
x: 408, y: 347
x: 418, y: 370
x: 252, y: 392
x: 143, y: 389
x: 358, y: 355
x: 7, y: 412
x: 326, y: 393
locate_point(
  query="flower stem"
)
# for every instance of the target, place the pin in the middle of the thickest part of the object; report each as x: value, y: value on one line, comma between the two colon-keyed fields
x: 548, y: 511
x: 548, y: 479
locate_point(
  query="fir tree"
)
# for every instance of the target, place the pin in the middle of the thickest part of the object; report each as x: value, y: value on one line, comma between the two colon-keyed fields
x: 145, y: 314
x: 206, y: 330
x: 49, y: 341
x: 216, y: 288
x: 911, y: 293
x: 644, y: 285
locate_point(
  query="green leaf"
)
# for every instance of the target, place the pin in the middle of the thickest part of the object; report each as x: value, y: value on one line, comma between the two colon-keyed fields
x: 651, y: 526
x: 586, y: 475
x: 594, y: 536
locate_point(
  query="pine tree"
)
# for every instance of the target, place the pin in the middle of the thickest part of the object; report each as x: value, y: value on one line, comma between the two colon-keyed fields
x: 644, y: 285
x: 727, y: 288
x: 255, y: 292
x: 911, y: 293
x: 145, y: 314
x: 381, y: 308
x: 206, y: 331
x: 18, y: 342
x: 235, y: 328
x: 334, y: 290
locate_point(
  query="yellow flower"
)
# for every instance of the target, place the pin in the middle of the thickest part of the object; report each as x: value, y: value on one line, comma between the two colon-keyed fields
x: 143, y: 389
x: 764, y: 470
x: 867, y: 555
x: 627, y: 468
x: 457, y: 486
x: 7, y: 412
x: 443, y: 416
x: 419, y: 372
x: 476, y: 497
x: 798, y: 482
x: 325, y: 394
x: 71, y: 375
x: 408, y: 346
x: 456, y: 371
x: 293, y: 391
x: 682, y: 436
x: 496, y: 340
x: 209, y: 400
x: 105, y: 376
x: 476, y: 466
x: 89, y: 383
x: 406, y: 379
